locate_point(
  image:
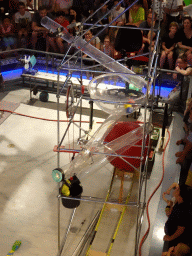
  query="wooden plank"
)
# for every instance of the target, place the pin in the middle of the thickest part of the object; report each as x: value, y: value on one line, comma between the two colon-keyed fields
x: 94, y: 253
x: 114, y: 206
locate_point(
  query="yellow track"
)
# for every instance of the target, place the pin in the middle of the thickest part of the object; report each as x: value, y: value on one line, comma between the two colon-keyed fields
x: 119, y: 222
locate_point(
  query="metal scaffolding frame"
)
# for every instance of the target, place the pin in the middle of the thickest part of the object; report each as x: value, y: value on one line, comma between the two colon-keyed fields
x: 141, y: 203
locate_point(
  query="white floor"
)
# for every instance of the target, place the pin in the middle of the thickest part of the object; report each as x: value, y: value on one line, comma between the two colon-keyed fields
x: 28, y: 194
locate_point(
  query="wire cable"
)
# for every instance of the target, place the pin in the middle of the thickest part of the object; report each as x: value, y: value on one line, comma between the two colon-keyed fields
x: 44, y: 119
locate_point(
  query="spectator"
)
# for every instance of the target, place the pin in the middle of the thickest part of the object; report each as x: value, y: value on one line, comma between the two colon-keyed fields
x: 146, y: 25
x: 188, y: 181
x: 47, y: 3
x: 180, y: 249
x: 187, y: 122
x: 14, y: 5
x: 179, y: 94
x: 57, y: 42
x: 107, y: 48
x: 23, y: 23
x: 172, y: 10
x: 102, y: 12
x: 185, y: 42
x: 186, y: 119
x: 74, y: 17
x: 28, y: 3
x: 136, y: 15
x: 84, y: 5
x: 187, y: 10
x: 168, y: 45
x: 170, y: 203
x: 4, y: 8
x: 116, y: 11
x: 110, y: 4
x: 186, y: 73
x: 176, y: 227
x: 62, y: 5
x: 96, y: 4
x: 38, y: 31
x: 146, y: 5
x: 91, y: 20
x: 185, y: 156
x: 182, y: 66
x: 95, y: 42
x: 7, y: 34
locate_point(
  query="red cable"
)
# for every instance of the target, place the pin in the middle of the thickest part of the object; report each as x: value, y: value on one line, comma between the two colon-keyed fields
x: 147, y: 208
x: 52, y: 120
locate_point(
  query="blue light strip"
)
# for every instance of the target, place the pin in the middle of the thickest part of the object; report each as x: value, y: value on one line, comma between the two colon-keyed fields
x: 8, y: 75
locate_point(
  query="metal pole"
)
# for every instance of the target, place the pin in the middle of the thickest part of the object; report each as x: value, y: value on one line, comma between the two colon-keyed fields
x: 91, y: 114
x: 150, y: 64
x: 58, y: 157
x: 71, y: 120
x: 92, y: 224
x: 68, y: 229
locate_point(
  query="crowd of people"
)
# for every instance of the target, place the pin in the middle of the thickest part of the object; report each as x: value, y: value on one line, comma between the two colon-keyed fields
x: 178, y: 226
x: 177, y: 239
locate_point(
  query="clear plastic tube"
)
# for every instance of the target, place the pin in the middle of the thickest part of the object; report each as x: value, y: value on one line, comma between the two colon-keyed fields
x: 95, y: 54
x: 97, y: 154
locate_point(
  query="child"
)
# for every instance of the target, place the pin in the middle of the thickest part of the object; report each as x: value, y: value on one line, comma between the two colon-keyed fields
x: 107, y: 48
x: 23, y: 23
x: 55, y: 42
x: 168, y: 45
x: 7, y: 34
x: 180, y: 92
